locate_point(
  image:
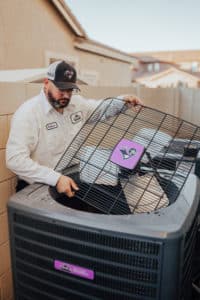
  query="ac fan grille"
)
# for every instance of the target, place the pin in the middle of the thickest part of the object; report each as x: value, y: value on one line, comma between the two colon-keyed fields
x: 100, y: 180
x: 124, y: 269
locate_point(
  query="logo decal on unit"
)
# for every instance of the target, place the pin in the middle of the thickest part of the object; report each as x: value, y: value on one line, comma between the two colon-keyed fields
x: 76, y: 117
x: 127, y: 154
x: 52, y: 125
x: 74, y: 269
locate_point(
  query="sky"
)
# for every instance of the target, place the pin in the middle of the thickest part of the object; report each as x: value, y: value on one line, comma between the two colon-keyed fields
x: 140, y: 25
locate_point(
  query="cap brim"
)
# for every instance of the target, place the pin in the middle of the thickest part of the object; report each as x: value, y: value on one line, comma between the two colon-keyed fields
x: 66, y: 85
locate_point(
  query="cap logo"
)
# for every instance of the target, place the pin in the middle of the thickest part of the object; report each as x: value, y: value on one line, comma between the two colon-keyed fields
x: 68, y: 74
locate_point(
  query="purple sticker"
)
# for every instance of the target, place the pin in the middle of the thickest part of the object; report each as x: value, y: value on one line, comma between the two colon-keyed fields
x: 74, y: 269
x: 127, y: 154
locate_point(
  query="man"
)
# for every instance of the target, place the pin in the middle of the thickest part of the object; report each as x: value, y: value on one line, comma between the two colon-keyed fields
x: 45, y: 125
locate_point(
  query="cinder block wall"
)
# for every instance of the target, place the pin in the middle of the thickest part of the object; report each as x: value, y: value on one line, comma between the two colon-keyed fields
x: 7, y: 180
x: 6, y: 189
x: 12, y: 95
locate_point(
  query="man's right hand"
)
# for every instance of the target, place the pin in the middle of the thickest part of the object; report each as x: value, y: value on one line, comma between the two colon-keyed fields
x: 67, y: 186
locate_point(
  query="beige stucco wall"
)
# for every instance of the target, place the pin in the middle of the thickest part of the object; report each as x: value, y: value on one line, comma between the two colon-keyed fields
x: 29, y: 29
x: 109, y: 72
x: 32, y: 31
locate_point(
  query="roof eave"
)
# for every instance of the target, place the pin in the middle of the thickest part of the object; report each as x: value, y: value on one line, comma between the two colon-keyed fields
x: 69, y: 18
x: 89, y: 45
x: 166, y: 72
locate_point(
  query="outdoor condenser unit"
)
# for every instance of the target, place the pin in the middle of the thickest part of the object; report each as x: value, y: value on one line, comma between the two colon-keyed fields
x: 129, y: 233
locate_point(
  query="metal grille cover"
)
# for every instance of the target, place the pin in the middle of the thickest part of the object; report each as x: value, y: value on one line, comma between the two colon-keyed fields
x: 170, y: 148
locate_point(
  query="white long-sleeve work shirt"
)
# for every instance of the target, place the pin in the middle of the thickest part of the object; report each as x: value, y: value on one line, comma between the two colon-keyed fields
x: 39, y: 136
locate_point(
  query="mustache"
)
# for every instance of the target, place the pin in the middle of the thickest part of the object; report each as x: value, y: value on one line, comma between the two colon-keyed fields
x: 61, y: 99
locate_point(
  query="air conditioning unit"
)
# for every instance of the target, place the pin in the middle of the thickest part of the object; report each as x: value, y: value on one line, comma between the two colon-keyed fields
x: 129, y: 233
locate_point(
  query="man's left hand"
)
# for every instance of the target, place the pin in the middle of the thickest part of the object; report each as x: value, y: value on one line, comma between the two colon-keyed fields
x: 133, y: 101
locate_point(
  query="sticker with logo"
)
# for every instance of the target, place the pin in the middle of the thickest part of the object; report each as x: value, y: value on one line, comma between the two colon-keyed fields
x: 127, y: 153
x: 76, y: 117
x: 74, y: 269
x: 51, y: 126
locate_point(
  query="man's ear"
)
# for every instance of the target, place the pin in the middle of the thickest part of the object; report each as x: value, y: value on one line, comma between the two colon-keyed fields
x: 46, y: 81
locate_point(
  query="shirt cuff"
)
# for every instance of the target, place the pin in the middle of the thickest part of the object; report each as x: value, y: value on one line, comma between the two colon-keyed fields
x: 52, y: 178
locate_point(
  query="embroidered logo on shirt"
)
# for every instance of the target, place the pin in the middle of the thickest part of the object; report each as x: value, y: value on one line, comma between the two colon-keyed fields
x: 76, y: 117
x: 52, y: 125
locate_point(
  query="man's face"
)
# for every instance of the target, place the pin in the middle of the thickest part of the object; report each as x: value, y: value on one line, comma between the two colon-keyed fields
x: 57, y: 98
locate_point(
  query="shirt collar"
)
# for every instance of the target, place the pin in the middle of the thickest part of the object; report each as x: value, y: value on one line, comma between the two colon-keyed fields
x: 45, y: 103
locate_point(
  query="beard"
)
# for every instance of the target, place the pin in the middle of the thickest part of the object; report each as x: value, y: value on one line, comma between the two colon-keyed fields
x: 57, y: 103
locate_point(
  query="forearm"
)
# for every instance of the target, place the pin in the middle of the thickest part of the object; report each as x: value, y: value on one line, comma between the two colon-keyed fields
x: 107, y: 109
x: 31, y: 171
